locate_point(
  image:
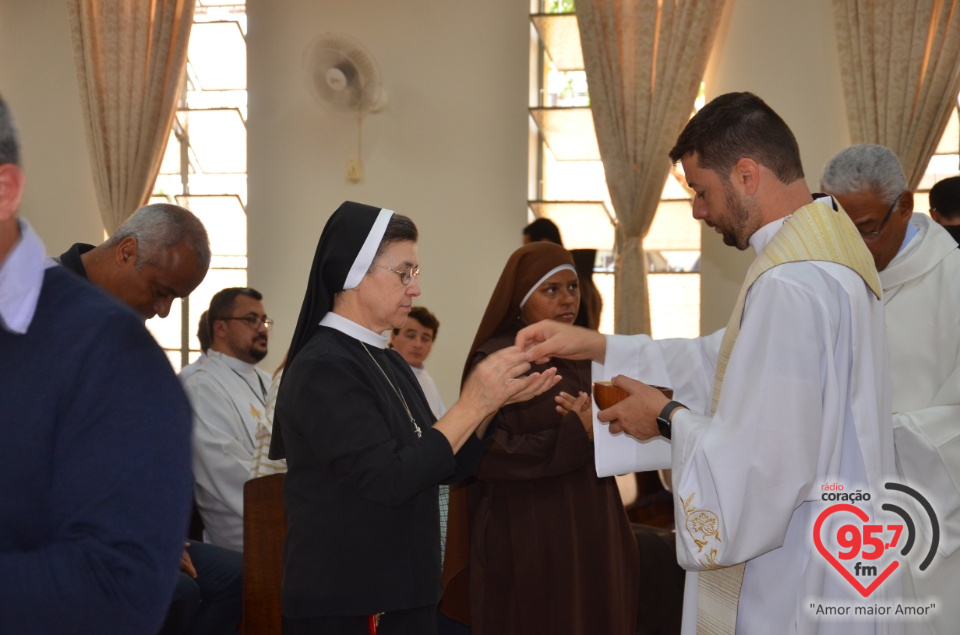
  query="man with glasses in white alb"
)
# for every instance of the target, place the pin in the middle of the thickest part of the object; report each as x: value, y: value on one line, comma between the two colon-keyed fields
x: 919, y: 266
x: 228, y: 393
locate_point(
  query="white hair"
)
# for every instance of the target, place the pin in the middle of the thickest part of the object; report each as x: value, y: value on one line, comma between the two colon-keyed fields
x: 865, y: 168
x: 161, y: 226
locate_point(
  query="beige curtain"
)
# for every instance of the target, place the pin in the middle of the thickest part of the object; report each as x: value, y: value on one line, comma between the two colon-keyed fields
x: 644, y: 62
x: 900, y: 65
x: 130, y: 56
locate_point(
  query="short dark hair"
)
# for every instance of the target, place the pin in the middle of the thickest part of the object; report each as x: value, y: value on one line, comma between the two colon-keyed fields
x: 945, y: 197
x: 223, y: 302
x: 399, y: 229
x: 543, y: 229
x: 735, y: 126
x: 203, y: 332
x: 9, y: 138
x: 423, y: 316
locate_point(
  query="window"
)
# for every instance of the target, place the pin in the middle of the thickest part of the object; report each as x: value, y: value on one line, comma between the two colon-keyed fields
x: 204, y: 168
x: 943, y: 164
x: 568, y: 184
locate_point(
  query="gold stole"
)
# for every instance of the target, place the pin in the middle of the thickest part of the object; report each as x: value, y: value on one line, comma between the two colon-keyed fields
x: 813, y: 232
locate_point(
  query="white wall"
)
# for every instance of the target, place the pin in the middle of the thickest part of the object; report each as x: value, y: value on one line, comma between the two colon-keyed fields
x: 450, y: 150
x: 785, y: 53
x: 38, y: 82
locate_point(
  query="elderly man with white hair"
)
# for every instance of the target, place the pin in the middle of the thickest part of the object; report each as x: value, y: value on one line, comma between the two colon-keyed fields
x: 159, y: 254
x: 919, y: 266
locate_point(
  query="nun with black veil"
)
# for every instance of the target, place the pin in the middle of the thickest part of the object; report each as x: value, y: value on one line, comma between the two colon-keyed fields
x: 365, y: 454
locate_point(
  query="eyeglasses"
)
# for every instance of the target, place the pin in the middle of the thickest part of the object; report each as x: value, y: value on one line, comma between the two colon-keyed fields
x: 883, y: 223
x: 406, y: 275
x: 252, y: 321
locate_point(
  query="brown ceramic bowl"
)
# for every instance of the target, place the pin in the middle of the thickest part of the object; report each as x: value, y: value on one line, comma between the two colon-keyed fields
x: 606, y: 394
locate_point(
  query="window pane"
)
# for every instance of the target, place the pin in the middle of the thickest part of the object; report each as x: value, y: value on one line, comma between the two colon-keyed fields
x: 225, y: 220
x: 944, y: 164
x: 673, y: 189
x: 218, y: 56
x: 218, y: 139
x: 167, y: 330
x: 217, y: 184
x: 583, y: 225
x: 673, y: 228
x: 560, y: 36
x: 171, y: 157
x: 573, y: 180
x: 950, y: 141
x: 605, y: 283
x: 211, y: 124
x: 674, y: 304
x: 940, y: 167
x: 565, y: 89
x: 174, y: 359
x: 568, y: 132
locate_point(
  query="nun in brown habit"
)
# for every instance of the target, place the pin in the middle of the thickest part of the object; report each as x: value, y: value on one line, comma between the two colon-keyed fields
x: 548, y: 544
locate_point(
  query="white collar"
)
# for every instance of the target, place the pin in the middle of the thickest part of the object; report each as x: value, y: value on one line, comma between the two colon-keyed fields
x: 929, y: 245
x: 352, y: 329
x: 21, y: 278
x: 765, y: 234
x: 234, y: 364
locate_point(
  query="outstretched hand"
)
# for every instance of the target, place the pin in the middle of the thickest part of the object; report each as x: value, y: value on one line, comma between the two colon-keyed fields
x: 549, y: 338
x: 533, y: 385
x: 499, y: 380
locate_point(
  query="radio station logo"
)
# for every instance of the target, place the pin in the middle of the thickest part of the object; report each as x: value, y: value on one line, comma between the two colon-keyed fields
x: 866, y: 551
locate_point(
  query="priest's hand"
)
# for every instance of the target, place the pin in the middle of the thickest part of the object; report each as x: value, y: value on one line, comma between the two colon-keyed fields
x: 637, y: 414
x: 548, y: 338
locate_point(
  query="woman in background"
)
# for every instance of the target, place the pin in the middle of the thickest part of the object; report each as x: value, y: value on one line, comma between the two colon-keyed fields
x: 364, y: 453
x: 550, y: 547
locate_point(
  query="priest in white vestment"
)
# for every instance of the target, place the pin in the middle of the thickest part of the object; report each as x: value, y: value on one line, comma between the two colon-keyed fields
x: 919, y: 266
x: 228, y: 394
x: 791, y: 397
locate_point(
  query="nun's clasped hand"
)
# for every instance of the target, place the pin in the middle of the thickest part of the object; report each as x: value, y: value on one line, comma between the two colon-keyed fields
x: 499, y: 380
x: 579, y: 405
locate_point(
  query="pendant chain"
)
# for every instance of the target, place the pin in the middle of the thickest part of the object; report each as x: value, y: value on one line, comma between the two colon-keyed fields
x: 416, y: 428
